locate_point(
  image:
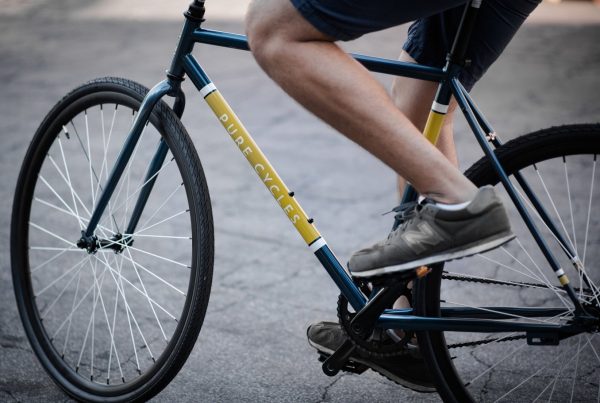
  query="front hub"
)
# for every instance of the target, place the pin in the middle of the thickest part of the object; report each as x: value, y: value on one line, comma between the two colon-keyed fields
x: 117, y: 243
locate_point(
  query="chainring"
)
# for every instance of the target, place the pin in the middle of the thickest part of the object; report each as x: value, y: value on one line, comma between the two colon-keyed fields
x: 378, y: 343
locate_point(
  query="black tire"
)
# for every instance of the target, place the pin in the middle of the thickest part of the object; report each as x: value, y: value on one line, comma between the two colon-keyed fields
x: 454, y: 367
x: 153, y: 347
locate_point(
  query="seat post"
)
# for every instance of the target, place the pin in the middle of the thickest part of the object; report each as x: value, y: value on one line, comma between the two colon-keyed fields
x: 457, y: 55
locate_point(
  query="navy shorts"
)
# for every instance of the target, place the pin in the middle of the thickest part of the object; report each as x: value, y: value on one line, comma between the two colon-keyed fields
x: 430, y: 37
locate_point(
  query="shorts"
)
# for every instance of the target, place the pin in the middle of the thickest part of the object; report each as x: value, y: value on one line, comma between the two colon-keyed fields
x: 431, y: 36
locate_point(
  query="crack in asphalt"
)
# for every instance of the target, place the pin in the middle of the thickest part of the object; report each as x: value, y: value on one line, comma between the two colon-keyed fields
x: 14, y: 347
x: 324, y: 395
x: 13, y: 342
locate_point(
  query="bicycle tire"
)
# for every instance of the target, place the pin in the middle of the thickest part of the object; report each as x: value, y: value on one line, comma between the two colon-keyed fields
x: 543, y: 147
x: 141, y: 324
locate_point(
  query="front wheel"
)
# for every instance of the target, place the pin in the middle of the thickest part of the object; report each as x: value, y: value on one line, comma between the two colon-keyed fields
x: 116, y: 321
x: 559, y: 164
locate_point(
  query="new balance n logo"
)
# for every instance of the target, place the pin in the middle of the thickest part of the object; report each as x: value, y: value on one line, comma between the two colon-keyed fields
x: 418, y: 240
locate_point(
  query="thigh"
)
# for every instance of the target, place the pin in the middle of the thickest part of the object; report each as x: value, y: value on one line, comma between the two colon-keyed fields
x: 350, y: 19
x: 430, y: 39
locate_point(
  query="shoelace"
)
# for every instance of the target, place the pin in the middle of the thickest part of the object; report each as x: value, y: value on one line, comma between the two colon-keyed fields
x: 404, y: 212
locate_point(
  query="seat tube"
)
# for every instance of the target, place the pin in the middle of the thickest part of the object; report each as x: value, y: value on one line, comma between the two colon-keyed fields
x: 458, y: 52
x: 437, y: 114
x: 433, y: 128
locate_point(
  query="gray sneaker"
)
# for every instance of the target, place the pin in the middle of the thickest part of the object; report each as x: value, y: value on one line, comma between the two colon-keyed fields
x: 431, y: 235
x: 408, y: 370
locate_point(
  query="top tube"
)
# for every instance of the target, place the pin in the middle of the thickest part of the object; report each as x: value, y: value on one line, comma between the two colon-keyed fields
x: 375, y: 64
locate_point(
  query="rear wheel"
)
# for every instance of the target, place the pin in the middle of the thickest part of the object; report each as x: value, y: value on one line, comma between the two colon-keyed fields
x: 118, y: 322
x: 560, y: 166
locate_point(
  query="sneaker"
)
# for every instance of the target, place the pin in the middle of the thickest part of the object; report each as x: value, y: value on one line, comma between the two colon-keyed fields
x: 408, y: 370
x: 432, y: 234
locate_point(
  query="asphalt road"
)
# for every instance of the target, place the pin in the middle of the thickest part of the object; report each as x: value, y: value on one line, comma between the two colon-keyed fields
x: 267, y: 287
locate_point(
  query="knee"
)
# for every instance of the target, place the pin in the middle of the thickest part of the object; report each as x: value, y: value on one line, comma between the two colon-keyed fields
x: 263, y: 30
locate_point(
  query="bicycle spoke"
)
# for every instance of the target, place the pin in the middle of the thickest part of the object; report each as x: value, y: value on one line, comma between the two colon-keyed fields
x: 554, y: 208
x: 496, y: 262
x: 52, y: 248
x: 112, y: 335
x: 60, y: 294
x: 34, y: 225
x: 56, y: 280
x: 150, y: 300
x: 87, y: 157
x: 162, y: 280
x: 558, y: 291
x: 589, y: 214
x: 73, y: 310
x: 102, y: 228
x: 68, y: 178
x: 146, y: 293
x: 53, y: 258
x: 179, y: 186
x: 506, y: 357
x: 166, y: 259
x: 163, y: 236
x: 89, y: 326
x: 160, y: 222
x: 576, y: 368
x: 112, y: 340
x: 556, y: 378
x: 120, y: 289
x: 71, y: 317
x: 559, y: 357
x: 570, y: 204
x: 139, y: 188
x: 119, y: 283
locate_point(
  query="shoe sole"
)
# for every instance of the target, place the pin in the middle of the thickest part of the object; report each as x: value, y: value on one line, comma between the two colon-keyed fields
x: 381, y: 371
x: 470, y: 250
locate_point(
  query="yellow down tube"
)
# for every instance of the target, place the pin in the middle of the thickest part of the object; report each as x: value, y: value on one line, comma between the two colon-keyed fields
x: 262, y: 167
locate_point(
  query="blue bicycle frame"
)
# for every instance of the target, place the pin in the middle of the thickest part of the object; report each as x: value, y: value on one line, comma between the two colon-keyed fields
x: 451, y: 319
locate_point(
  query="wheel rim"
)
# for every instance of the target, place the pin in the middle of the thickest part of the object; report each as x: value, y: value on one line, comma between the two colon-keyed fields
x: 109, y: 320
x: 502, y: 366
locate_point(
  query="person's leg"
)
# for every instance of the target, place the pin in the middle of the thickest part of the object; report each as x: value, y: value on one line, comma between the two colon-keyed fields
x: 414, y: 98
x: 312, y: 69
x: 429, y: 41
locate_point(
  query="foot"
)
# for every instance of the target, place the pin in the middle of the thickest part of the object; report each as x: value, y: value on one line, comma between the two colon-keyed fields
x: 432, y: 234
x: 408, y: 370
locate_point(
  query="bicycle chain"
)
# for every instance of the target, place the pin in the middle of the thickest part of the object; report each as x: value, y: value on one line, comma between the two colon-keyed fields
x: 486, y: 341
x: 461, y: 277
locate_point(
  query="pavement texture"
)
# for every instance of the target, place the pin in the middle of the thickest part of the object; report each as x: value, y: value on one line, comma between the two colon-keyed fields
x: 267, y: 287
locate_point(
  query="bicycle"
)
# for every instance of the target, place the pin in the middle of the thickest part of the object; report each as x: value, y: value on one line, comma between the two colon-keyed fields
x: 112, y: 317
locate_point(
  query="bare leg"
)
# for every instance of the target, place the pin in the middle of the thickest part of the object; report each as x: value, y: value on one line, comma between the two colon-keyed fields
x: 414, y: 98
x: 325, y: 80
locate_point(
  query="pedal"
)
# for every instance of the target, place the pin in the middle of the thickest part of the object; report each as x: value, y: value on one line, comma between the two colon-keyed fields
x: 349, y: 366
x: 336, y: 362
x: 402, y: 276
